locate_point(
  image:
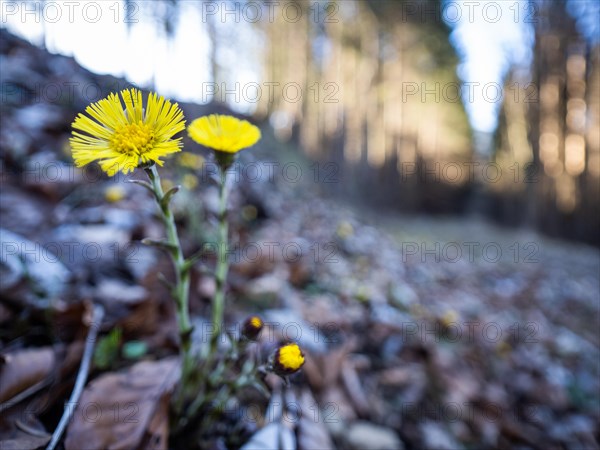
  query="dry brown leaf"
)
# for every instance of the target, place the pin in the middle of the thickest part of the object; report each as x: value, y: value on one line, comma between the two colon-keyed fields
x: 23, y: 369
x: 25, y: 442
x: 279, y: 433
x: 20, y: 428
x: 125, y: 410
x: 324, y: 370
x: 336, y: 406
x: 354, y: 389
x: 312, y: 432
x: 157, y: 434
x: 70, y: 321
x: 334, y: 360
x: 312, y: 371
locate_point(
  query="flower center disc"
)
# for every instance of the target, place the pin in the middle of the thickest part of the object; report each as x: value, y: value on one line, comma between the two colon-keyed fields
x: 133, y: 138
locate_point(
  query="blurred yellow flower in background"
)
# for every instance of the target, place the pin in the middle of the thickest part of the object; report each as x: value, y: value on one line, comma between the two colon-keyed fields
x: 189, y: 181
x: 191, y: 160
x: 121, y: 139
x: 224, y: 133
x: 166, y: 184
x: 114, y: 193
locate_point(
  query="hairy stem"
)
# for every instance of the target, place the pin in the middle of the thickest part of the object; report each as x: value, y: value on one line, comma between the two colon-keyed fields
x: 222, y: 263
x: 182, y: 273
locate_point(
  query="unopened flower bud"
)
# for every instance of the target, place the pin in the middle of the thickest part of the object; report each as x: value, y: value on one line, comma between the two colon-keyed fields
x: 286, y: 360
x: 252, y: 327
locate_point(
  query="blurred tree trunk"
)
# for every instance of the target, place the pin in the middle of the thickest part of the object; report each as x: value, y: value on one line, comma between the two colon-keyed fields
x: 554, y: 163
x: 366, y: 71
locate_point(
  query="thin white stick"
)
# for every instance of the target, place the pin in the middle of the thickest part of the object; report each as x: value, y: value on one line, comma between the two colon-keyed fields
x: 82, y: 375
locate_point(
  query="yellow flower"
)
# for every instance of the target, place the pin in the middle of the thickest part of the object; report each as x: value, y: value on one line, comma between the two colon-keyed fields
x: 114, y: 194
x: 449, y: 318
x: 344, y: 230
x: 223, y: 133
x: 121, y: 139
x: 287, y: 359
x: 189, y: 181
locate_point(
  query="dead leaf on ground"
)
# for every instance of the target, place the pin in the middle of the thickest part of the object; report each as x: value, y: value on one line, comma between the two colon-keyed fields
x: 24, y: 368
x: 323, y: 370
x: 20, y: 429
x: 127, y: 409
x: 354, y: 389
x: 278, y: 434
x: 25, y: 442
x: 312, y: 432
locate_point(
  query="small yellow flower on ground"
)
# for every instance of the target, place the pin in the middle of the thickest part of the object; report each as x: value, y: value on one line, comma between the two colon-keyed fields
x: 287, y: 359
x: 114, y: 193
x: 224, y: 133
x: 189, y: 181
x: 121, y: 138
x: 449, y: 318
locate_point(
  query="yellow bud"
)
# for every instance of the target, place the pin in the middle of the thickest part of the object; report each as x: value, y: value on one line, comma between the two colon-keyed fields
x: 252, y: 327
x: 287, y: 359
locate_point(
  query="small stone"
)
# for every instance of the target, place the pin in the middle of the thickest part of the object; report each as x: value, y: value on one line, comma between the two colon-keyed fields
x: 435, y: 436
x: 288, y: 325
x: 41, y: 116
x: 116, y: 291
x: 368, y: 436
x: 402, y: 296
x: 25, y: 259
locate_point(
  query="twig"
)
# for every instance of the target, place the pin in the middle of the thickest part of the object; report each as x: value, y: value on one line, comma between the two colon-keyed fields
x: 26, y: 393
x: 82, y: 375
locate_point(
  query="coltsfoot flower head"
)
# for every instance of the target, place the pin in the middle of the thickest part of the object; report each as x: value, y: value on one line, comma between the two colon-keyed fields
x: 286, y: 360
x: 123, y: 138
x: 252, y: 327
x: 226, y: 135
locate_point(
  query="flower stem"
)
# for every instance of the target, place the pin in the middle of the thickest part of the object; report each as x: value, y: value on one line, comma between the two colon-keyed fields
x: 182, y: 275
x: 222, y: 263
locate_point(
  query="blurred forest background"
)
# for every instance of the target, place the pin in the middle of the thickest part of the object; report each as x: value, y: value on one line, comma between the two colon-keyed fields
x: 373, y: 90
x: 399, y: 171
